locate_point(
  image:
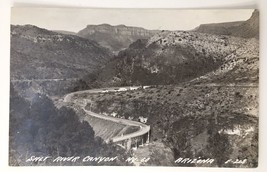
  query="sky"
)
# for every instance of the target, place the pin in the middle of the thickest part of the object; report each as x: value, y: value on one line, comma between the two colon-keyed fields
x: 75, y: 19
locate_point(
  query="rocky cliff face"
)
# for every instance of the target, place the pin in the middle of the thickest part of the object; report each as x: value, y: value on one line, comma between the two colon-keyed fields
x: 245, y: 29
x: 115, y: 38
x: 249, y: 28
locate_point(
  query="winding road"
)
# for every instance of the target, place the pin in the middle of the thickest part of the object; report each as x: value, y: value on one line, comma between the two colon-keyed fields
x: 143, y: 129
x: 42, y: 80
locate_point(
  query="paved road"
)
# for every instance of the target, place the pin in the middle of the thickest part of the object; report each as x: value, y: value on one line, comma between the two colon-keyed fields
x: 43, y: 80
x: 225, y: 85
x: 143, y: 129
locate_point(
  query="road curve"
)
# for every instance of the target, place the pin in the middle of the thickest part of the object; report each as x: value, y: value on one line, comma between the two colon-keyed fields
x: 143, y: 129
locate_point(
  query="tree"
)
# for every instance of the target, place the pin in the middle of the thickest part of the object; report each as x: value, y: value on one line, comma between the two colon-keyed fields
x: 39, y: 128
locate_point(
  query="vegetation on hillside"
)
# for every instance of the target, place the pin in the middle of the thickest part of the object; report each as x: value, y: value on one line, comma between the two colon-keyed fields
x: 203, y: 99
x: 38, y: 128
x: 167, y: 58
x: 194, y: 121
x: 245, y: 29
x: 39, y: 54
x: 115, y: 38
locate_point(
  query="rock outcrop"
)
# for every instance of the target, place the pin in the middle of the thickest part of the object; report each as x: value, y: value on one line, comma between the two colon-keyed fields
x: 115, y: 38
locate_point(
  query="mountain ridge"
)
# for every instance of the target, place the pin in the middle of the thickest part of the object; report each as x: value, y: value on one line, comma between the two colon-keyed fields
x: 52, y: 49
x: 168, y: 58
x: 115, y: 38
x: 40, y: 54
x: 245, y: 29
x: 181, y: 56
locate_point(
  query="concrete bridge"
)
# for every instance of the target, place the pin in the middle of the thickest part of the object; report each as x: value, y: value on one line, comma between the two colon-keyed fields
x: 133, y: 140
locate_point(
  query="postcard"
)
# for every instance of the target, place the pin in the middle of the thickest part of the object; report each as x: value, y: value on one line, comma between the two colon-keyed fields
x: 134, y: 87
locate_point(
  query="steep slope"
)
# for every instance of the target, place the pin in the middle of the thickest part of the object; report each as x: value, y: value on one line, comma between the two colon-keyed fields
x: 51, y: 62
x: 245, y: 29
x: 38, y: 128
x: 219, y: 122
x: 242, y: 66
x: 213, y: 116
x: 180, y: 56
x: 41, y: 54
x: 115, y: 38
x: 168, y: 58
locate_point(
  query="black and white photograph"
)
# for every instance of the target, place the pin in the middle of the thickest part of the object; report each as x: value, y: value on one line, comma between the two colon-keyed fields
x: 134, y: 87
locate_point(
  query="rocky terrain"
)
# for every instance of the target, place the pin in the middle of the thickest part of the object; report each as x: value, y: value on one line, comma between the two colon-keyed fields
x: 38, y: 53
x: 245, y: 29
x: 203, y: 94
x: 168, y: 58
x: 203, y: 99
x: 240, y: 67
x: 115, y: 38
x: 43, y: 55
x: 218, y: 122
x: 181, y: 56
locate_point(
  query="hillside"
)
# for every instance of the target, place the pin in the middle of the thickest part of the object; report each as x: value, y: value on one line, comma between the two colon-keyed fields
x: 168, y: 58
x: 104, y: 129
x: 181, y: 56
x: 193, y: 121
x: 241, y: 67
x: 245, y: 29
x: 38, y: 128
x: 39, y: 55
x: 203, y: 99
x: 65, y: 32
x: 115, y: 38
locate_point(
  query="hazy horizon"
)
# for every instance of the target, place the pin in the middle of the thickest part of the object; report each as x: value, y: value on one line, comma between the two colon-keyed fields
x: 76, y: 19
